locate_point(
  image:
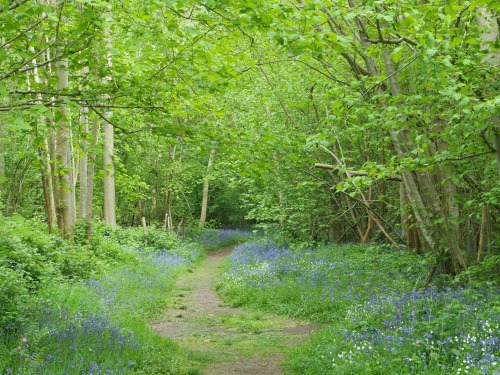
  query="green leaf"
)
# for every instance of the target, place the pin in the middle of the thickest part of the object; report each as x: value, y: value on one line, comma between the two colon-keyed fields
x: 465, y: 100
x: 448, y: 9
x: 397, y: 54
x: 266, y: 19
x: 18, y: 124
x: 4, y: 91
x: 172, y: 25
x: 18, y: 218
x: 447, y: 63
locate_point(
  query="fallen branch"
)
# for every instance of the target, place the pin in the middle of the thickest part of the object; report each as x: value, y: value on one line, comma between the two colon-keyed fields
x: 354, y: 173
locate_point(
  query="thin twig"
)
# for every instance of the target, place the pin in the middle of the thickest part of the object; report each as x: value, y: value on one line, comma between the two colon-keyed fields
x: 23, y: 32
x: 385, y: 79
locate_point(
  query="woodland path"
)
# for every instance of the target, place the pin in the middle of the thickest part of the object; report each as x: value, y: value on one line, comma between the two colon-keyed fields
x: 230, y: 340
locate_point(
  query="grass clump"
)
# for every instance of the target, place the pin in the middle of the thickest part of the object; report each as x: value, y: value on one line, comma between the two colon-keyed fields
x: 378, y: 318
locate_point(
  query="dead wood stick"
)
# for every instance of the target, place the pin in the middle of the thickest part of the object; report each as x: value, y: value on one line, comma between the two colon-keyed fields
x: 354, y: 173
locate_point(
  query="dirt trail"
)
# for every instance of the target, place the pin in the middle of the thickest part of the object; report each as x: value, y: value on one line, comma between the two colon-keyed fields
x: 230, y: 340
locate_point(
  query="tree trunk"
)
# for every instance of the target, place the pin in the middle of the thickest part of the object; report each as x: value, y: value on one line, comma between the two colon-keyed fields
x: 63, y: 158
x: 108, y: 140
x: 82, y: 201
x: 483, y: 230
x: 144, y: 227
x: 204, y: 201
x: 489, y: 35
x: 44, y: 155
x: 50, y: 147
x: 422, y: 194
x: 52, y: 216
x: 48, y: 189
x: 168, y: 182
x: 2, y: 160
x: 89, y: 196
x: 403, y: 202
x: 109, y: 174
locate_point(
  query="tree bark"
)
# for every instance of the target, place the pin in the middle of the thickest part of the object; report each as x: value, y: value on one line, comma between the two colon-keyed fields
x: 482, y: 233
x: 82, y: 201
x: 109, y: 174
x: 144, y: 227
x: 204, y: 201
x: 2, y: 160
x: 108, y: 139
x: 490, y: 33
x: 90, y: 178
x: 169, y: 179
x: 63, y: 158
x: 44, y: 155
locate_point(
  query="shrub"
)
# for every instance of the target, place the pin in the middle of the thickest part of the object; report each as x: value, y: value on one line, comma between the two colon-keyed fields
x: 486, y: 271
x: 13, y: 294
x: 76, y: 324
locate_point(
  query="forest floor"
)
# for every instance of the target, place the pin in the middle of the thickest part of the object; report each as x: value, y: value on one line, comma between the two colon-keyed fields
x: 224, y: 339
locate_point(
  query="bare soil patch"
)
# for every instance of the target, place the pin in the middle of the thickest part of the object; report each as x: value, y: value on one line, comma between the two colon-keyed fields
x: 230, y: 340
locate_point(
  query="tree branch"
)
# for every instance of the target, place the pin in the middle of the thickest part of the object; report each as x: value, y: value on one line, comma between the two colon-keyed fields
x: 354, y: 173
x: 27, y: 61
x: 108, y: 121
x: 386, y: 41
x: 279, y: 99
x: 34, y: 92
x: 386, y: 78
x: 23, y: 32
x: 17, y: 5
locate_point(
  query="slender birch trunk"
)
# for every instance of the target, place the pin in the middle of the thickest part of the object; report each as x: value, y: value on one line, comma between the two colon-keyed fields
x: 2, y: 158
x: 50, y: 148
x: 109, y: 209
x: 82, y: 201
x: 64, y: 169
x: 109, y: 174
x: 46, y: 167
x: 204, y: 201
x: 89, y: 196
x: 168, y: 182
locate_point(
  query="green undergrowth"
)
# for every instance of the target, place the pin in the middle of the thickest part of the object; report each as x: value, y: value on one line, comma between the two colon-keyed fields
x: 84, y: 307
x: 377, y: 318
x: 315, y: 283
